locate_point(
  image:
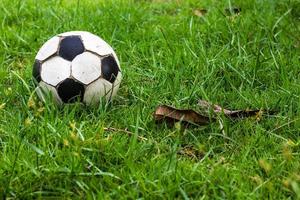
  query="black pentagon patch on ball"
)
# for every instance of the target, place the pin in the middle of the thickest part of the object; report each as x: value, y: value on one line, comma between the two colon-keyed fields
x: 36, y: 71
x: 109, y: 68
x: 70, y: 91
x: 70, y: 47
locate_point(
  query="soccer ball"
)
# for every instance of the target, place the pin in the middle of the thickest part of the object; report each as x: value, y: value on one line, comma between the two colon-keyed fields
x: 76, y: 66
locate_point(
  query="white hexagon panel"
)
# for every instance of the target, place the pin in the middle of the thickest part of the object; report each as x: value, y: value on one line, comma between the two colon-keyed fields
x: 86, y: 67
x: 48, y: 49
x: 96, y: 44
x: 55, y: 70
x: 97, y: 90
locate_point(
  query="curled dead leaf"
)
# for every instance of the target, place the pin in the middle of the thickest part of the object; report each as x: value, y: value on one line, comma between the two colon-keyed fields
x: 189, y: 117
x: 172, y: 115
x: 233, y: 114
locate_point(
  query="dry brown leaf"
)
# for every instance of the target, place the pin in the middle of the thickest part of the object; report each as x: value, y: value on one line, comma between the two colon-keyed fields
x: 233, y: 114
x: 172, y: 115
x: 200, y: 12
x: 188, y: 117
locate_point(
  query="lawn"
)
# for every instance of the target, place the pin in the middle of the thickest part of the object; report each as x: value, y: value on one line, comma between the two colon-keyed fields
x: 172, y: 55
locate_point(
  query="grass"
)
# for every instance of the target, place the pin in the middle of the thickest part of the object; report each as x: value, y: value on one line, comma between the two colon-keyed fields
x: 168, y: 56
